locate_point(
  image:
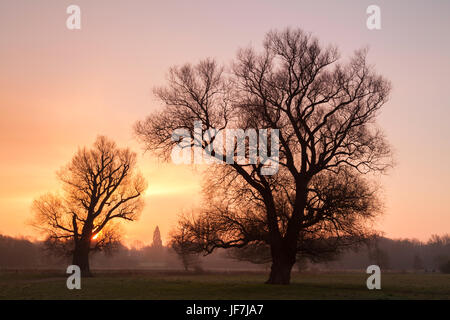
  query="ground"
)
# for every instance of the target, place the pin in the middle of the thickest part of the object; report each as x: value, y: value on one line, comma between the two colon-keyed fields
x: 234, y: 285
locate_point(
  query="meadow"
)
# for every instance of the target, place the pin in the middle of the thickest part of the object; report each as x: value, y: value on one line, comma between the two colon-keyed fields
x: 159, y: 285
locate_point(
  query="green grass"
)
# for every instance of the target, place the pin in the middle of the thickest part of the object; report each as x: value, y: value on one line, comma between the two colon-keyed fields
x: 176, y: 285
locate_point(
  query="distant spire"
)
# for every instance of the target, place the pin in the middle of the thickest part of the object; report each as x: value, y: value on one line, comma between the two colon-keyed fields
x: 157, y: 243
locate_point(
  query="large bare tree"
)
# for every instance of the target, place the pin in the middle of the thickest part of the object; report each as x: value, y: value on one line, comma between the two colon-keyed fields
x: 100, y: 185
x: 325, y: 111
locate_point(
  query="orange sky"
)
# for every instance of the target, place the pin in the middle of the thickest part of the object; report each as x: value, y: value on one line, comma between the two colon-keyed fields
x: 59, y: 89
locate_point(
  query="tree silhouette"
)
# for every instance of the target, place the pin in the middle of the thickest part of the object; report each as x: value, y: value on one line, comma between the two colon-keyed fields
x: 100, y: 186
x: 417, y: 262
x: 325, y: 112
x: 186, y: 249
x: 377, y: 255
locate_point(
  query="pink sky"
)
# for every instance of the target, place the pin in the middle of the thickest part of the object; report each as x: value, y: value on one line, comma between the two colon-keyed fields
x: 59, y: 89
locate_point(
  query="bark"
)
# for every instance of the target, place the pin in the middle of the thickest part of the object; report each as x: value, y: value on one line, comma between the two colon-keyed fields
x: 282, y: 263
x: 284, y: 249
x: 81, y: 256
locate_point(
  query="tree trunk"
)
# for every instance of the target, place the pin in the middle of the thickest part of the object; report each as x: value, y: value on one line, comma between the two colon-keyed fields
x: 185, y: 262
x: 284, y: 249
x: 81, y: 257
x: 282, y: 263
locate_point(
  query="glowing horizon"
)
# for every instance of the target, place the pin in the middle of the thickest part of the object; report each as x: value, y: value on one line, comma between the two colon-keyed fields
x: 62, y: 88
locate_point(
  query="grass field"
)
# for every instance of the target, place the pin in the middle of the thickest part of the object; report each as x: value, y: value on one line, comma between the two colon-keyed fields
x: 236, y: 285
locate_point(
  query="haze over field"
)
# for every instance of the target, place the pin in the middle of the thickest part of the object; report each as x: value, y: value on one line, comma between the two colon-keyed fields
x: 59, y: 89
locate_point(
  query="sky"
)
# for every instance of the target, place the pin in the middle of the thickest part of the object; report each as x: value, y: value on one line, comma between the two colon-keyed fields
x: 60, y: 88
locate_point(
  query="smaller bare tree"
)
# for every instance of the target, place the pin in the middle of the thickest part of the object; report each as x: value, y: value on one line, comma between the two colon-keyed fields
x: 100, y: 186
x: 186, y: 248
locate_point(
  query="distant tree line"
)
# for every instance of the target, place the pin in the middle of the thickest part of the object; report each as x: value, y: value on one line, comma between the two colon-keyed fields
x: 21, y: 253
x: 396, y: 255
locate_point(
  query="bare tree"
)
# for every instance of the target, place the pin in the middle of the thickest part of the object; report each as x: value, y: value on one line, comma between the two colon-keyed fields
x: 100, y: 186
x: 185, y: 247
x: 325, y: 112
x: 377, y: 255
x: 417, y: 263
